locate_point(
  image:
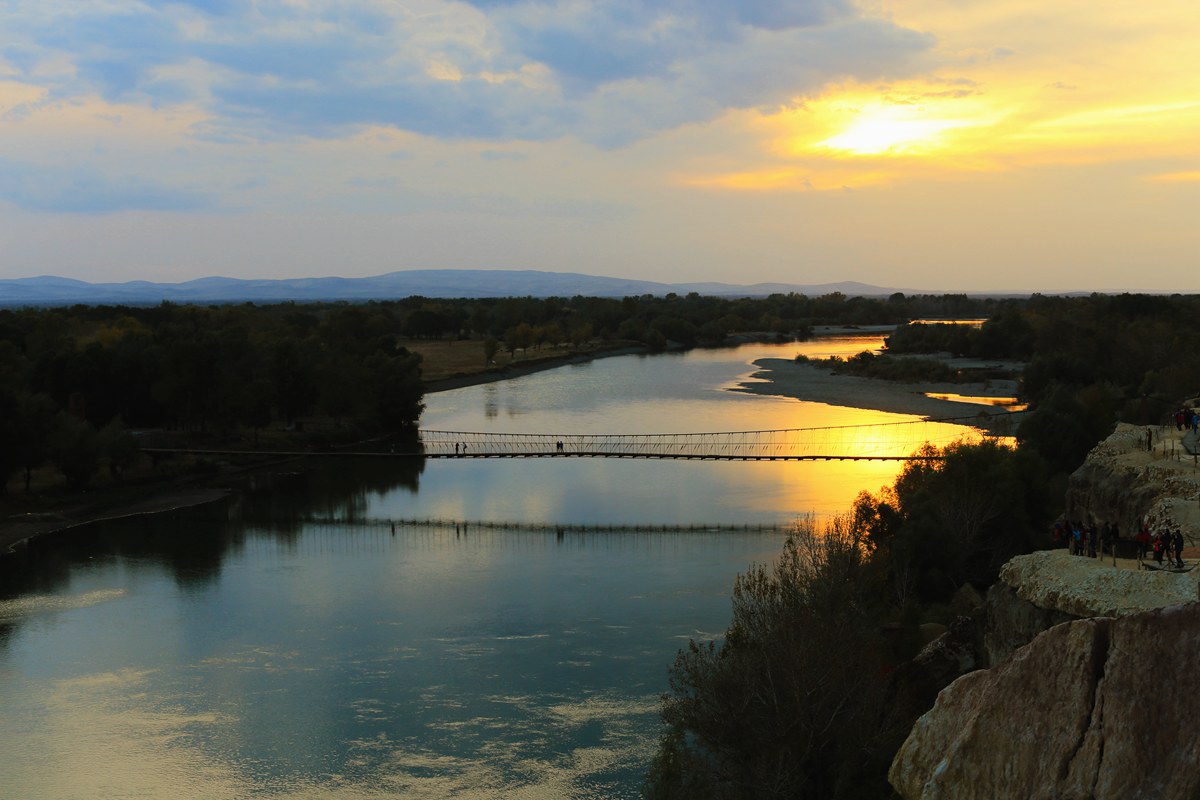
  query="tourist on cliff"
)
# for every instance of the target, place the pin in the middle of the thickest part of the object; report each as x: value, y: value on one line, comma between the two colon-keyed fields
x: 1143, y: 542
x: 1177, y: 541
x: 1108, y: 540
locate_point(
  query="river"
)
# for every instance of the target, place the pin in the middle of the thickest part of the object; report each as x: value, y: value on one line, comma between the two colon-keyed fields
x: 308, y: 640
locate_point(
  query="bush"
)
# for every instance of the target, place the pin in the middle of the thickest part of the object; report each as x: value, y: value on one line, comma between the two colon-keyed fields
x: 791, y: 704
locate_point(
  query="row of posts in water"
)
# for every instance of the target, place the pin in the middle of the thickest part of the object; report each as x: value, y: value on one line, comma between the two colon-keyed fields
x: 462, y: 525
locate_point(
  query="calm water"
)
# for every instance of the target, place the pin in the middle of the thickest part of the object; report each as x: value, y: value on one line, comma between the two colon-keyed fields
x: 673, y: 393
x: 291, y: 643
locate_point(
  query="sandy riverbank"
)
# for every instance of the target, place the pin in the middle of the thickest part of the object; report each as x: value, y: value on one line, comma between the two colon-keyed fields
x: 783, y: 377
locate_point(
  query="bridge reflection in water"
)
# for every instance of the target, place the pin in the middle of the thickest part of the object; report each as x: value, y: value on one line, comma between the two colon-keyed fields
x: 881, y: 442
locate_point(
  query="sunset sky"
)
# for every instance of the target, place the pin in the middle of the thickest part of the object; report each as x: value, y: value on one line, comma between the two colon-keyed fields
x: 943, y: 145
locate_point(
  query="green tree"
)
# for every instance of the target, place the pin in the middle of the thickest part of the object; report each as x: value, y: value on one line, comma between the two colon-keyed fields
x: 119, y: 446
x: 37, y: 415
x: 292, y: 371
x: 1061, y: 430
x: 956, y: 517
x: 75, y: 450
x: 10, y: 432
x: 490, y: 348
x: 519, y: 337
x: 791, y: 704
x: 395, y: 390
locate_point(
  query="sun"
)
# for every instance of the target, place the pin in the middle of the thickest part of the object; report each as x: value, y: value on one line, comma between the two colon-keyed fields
x: 881, y: 129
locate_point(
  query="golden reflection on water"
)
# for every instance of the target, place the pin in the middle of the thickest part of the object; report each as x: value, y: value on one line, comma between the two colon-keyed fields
x: 1010, y: 403
x: 970, y: 323
x: 106, y: 735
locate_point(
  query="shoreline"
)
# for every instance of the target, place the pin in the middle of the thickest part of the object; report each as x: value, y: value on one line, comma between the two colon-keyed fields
x: 522, y: 368
x: 18, y: 529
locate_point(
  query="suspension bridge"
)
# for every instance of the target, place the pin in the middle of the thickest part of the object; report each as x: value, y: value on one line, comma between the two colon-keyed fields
x: 888, y: 441
x: 878, y: 442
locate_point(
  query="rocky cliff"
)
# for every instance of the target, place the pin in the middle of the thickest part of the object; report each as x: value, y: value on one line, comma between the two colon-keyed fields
x: 1139, y: 474
x: 1096, y: 708
x: 1088, y: 694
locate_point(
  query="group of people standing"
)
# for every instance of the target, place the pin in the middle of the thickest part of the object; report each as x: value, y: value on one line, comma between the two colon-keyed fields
x: 1167, y: 544
x: 1084, y: 540
x: 1094, y: 540
x: 1187, y: 419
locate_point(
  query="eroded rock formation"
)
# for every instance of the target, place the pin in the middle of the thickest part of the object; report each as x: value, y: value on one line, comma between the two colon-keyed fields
x: 1096, y: 708
x: 1040, y: 590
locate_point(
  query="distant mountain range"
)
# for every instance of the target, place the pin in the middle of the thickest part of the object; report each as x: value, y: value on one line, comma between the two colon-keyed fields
x: 443, y: 283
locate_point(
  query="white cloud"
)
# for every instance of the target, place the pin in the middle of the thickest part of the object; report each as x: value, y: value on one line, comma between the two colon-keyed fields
x: 604, y: 72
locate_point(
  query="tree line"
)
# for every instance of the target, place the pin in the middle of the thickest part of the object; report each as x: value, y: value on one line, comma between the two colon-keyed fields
x: 74, y: 381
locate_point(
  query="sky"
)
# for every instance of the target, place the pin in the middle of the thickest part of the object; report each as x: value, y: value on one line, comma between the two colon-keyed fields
x: 941, y: 145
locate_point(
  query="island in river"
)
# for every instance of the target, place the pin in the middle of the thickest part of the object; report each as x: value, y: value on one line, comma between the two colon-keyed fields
x: 818, y: 384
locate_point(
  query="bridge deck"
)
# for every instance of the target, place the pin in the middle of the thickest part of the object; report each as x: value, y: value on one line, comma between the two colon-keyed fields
x: 686, y: 456
x: 896, y: 441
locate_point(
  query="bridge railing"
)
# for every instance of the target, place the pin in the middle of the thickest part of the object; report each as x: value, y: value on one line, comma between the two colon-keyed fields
x: 886, y: 440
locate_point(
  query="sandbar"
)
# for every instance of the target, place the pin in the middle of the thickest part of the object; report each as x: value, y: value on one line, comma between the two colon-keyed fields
x: 781, y: 377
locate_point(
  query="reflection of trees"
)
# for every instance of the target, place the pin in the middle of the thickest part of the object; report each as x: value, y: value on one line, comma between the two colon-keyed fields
x: 191, y: 544
x: 331, y: 489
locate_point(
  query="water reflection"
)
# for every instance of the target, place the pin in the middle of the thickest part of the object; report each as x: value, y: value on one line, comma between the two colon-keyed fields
x: 1011, y: 403
x: 189, y: 544
x: 337, y: 488
x: 192, y: 544
x: 346, y: 661
x: 672, y: 393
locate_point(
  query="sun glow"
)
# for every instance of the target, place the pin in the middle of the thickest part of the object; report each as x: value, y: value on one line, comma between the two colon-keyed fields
x: 888, y: 129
